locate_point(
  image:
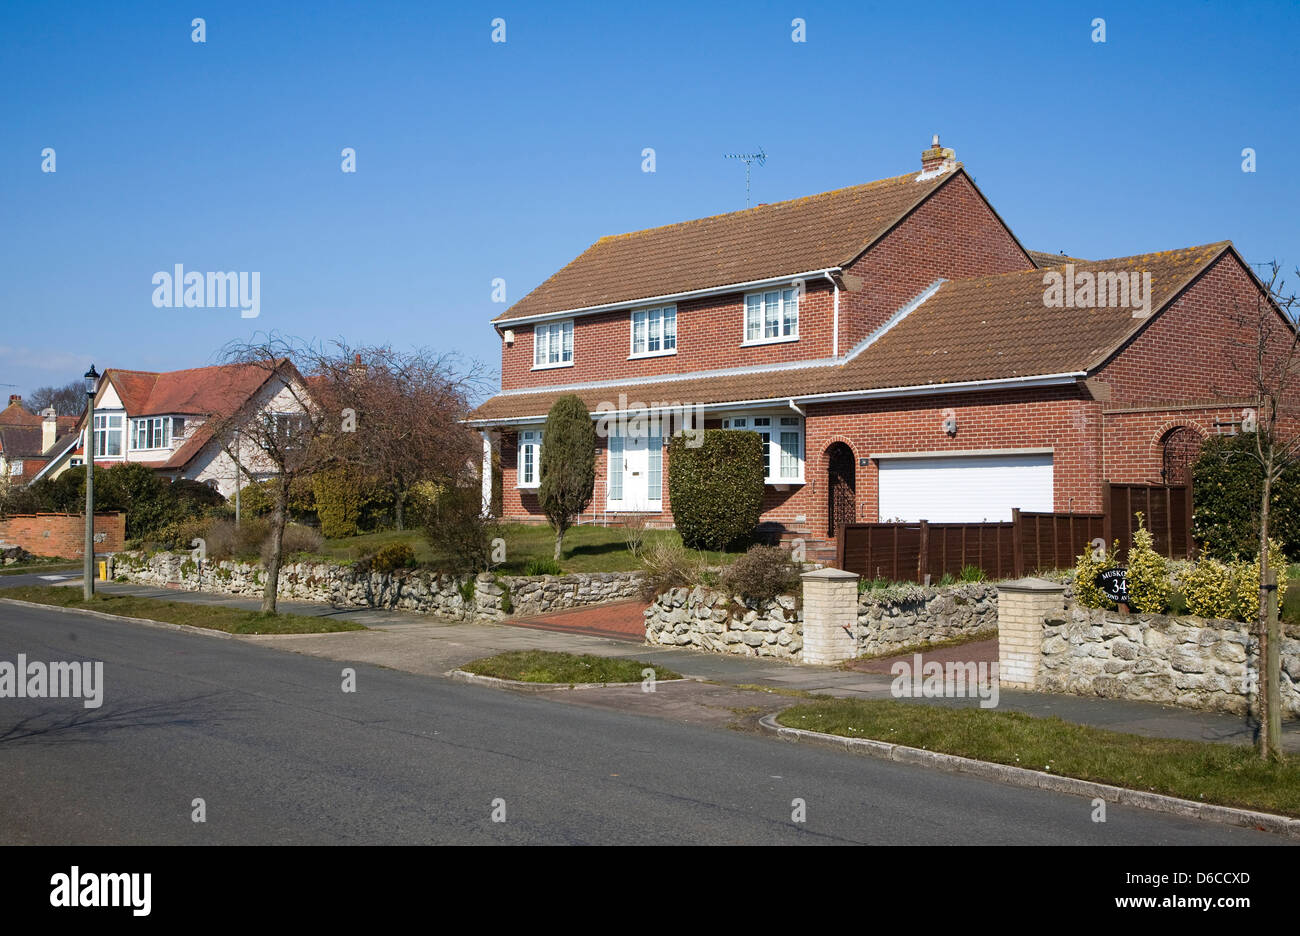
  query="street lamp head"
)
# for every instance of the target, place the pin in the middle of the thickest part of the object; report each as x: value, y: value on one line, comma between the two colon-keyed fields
x: 92, y: 381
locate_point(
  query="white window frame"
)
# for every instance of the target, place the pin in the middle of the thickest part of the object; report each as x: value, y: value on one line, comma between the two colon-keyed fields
x: 530, y: 442
x: 97, y: 430
x: 662, y: 313
x: 785, y: 295
x: 778, y: 422
x: 151, y: 425
x: 549, y: 329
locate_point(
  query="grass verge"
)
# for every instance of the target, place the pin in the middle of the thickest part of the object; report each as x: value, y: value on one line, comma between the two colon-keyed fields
x: 230, y: 620
x: 547, y: 666
x: 1225, y: 774
x: 40, y: 565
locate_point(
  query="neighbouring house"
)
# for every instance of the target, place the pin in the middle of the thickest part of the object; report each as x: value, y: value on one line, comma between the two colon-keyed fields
x: 899, y: 350
x: 160, y: 419
x: 30, y: 442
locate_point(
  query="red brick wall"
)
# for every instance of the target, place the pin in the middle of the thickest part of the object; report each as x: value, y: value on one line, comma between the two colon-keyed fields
x: 1189, y: 367
x: 709, y: 335
x: 953, y: 235
x: 63, y: 535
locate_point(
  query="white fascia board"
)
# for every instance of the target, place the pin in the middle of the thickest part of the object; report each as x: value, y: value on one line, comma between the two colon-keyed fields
x: 968, y: 386
x: 667, y: 297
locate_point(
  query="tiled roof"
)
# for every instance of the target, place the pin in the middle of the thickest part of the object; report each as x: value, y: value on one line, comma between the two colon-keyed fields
x: 783, y: 238
x: 989, y: 328
x: 1043, y: 259
x: 15, y: 414
x: 193, y: 392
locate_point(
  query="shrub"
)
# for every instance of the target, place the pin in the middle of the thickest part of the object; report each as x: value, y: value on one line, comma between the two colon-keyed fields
x: 567, y: 465
x: 971, y: 573
x: 346, y: 502
x: 542, y: 566
x: 1208, y: 587
x: 716, y: 487
x: 1086, y: 569
x: 460, y: 535
x: 179, y: 535
x: 666, y: 565
x: 634, y: 529
x: 1228, y: 482
x: 1247, y: 582
x: 762, y: 573
x: 297, y: 539
x: 1148, y: 573
x: 392, y: 557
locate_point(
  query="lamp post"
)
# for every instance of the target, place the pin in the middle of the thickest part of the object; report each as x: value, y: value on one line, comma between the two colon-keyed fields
x: 88, y: 446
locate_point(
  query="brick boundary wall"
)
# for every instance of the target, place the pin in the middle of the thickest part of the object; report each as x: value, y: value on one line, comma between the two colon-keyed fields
x: 63, y: 535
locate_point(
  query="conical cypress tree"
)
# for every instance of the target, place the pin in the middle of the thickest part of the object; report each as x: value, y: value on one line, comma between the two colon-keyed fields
x: 568, y: 465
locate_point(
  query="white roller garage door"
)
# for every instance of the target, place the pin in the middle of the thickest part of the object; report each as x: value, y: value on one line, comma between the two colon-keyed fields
x: 964, y: 488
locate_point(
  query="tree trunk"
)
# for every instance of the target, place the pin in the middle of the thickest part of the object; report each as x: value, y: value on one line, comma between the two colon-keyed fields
x: 272, y: 589
x: 398, y: 509
x: 1268, y: 742
x: 559, y: 543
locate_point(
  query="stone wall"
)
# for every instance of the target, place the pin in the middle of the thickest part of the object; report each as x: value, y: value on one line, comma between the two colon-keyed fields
x: 888, y: 620
x: 894, y: 618
x: 1187, y: 661
x: 423, y: 592
x: 706, y: 619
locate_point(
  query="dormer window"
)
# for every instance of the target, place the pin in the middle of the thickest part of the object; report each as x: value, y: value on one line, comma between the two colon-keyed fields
x: 771, y: 316
x: 153, y: 432
x: 553, y: 344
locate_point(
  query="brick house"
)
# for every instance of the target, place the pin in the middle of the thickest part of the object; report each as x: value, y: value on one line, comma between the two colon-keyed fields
x: 902, y: 353
x: 29, y: 442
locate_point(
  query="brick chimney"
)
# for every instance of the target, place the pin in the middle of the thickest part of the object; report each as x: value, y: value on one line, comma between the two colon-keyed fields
x: 49, y: 428
x: 15, y: 398
x: 937, y: 159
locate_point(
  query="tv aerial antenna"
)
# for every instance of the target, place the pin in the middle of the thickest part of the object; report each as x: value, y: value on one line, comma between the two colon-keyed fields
x: 747, y: 158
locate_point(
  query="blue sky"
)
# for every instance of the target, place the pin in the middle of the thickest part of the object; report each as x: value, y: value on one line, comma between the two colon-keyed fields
x: 478, y: 160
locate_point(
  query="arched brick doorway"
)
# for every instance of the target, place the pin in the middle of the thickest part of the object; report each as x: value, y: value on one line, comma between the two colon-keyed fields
x: 841, y: 487
x: 1179, y: 446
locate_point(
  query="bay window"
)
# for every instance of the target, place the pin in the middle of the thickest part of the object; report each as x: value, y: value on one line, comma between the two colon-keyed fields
x: 553, y: 344
x: 772, y: 315
x: 654, y: 332
x: 108, y: 435
x: 151, y: 433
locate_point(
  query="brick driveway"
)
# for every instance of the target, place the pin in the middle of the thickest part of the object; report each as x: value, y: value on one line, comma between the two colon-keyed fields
x: 621, y: 620
x: 979, y: 651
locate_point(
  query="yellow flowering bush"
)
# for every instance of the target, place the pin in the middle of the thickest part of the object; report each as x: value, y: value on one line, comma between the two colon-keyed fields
x: 1086, y: 569
x: 1246, y: 582
x: 1148, y: 574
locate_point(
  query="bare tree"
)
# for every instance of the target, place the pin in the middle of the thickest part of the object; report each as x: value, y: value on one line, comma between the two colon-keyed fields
x: 68, y: 400
x: 1267, y: 357
x: 270, y: 422
x: 402, y: 411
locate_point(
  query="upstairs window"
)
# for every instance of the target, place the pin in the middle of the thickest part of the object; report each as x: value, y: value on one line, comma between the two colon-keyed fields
x: 553, y: 344
x: 654, y: 332
x: 529, y: 459
x: 772, y: 315
x: 108, y: 435
x: 151, y: 433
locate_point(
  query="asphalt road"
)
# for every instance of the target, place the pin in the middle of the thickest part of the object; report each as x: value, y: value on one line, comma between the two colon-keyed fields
x: 280, y: 754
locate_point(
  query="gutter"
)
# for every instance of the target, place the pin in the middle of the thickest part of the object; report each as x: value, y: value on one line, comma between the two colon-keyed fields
x: 968, y: 386
x: 498, y: 324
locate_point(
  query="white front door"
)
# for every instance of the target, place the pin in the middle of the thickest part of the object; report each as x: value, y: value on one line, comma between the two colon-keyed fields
x: 635, y: 472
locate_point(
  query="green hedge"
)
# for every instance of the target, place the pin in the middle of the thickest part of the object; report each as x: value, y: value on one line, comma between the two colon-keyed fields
x: 716, y: 488
x: 1227, y: 482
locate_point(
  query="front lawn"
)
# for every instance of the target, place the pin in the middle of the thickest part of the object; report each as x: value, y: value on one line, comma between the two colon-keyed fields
x: 587, y: 548
x: 214, y: 617
x: 1226, y: 774
x: 546, y: 666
